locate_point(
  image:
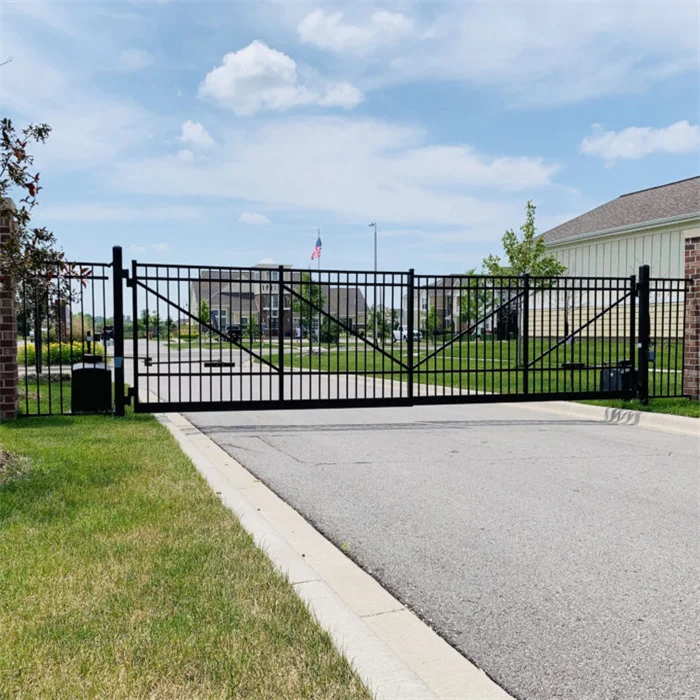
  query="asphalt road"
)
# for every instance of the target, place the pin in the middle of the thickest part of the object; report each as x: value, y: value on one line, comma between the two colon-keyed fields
x: 559, y: 555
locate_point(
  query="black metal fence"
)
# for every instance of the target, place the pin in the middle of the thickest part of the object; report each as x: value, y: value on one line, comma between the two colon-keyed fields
x: 227, y: 338
x: 64, y: 316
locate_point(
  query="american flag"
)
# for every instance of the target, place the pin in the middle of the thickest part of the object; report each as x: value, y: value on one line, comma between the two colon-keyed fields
x: 317, y: 250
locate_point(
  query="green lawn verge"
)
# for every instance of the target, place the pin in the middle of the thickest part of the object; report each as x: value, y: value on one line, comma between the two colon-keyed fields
x: 123, y: 576
x: 44, y: 397
x: 492, y: 365
x: 676, y: 407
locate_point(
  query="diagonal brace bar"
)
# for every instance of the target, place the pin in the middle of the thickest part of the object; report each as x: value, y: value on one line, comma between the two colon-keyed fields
x: 402, y: 364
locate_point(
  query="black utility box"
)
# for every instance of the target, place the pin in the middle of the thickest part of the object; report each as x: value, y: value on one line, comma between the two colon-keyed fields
x: 622, y: 378
x: 91, y: 388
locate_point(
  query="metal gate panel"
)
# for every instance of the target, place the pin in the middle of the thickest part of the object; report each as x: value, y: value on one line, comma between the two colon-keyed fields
x: 270, y: 337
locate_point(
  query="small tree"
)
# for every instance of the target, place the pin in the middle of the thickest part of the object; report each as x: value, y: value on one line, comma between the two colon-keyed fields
x: 383, y: 319
x: 330, y: 332
x: 204, y: 312
x: 31, y: 251
x: 252, y: 330
x: 527, y: 254
x: 475, y: 298
x: 312, y: 299
x: 432, y: 323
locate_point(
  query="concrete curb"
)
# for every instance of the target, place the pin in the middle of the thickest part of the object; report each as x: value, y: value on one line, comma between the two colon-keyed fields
x: 395, y: 654
x: 679, y: 425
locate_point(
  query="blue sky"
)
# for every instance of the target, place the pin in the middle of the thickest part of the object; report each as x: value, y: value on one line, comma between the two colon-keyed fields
x: 227, y: 133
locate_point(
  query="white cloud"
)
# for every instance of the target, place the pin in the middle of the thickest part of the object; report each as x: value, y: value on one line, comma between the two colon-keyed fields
x: 194, y: 134
x: 155, y: 247
x: 636, y: 142
x: 259, y: 78
x: 105, y: 212
x: 535, y: 54
x: 329, y: 31
x: 355, y: 168
x: 253, y: 219
x: 133, y: 60
x: 185, y: 156
x: 342, y: 95
x: 89, y: 127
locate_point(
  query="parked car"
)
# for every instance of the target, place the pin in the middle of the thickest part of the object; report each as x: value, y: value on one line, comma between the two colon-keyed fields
x: 234, y: 333
x: 401, y: 333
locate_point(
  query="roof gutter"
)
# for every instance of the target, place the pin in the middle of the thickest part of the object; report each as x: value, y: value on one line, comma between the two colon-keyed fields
x: 643, y: 226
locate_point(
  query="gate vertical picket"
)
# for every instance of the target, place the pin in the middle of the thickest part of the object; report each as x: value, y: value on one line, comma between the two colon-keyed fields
x: 409, y: 332
x: 280, y: 333
x: 526, y: 334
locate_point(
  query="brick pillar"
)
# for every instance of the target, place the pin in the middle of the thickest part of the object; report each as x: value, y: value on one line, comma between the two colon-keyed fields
x: 691, y: 358
x: 9, y: 377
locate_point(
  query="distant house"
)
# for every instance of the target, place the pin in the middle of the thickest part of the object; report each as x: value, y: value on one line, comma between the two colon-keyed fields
x: 645, y: 227
x: 237, y: 296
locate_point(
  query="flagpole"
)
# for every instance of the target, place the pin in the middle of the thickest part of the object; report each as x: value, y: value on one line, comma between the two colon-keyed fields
x: 319, y: 258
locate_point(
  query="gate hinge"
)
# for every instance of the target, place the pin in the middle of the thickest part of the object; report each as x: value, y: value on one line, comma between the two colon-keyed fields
x: 130, y: 395
x: 129, y: 281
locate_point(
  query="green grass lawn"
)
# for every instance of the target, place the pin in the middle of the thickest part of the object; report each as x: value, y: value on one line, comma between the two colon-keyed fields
x: 123, y: 576
x: 492, y: 366
x: 677, y: 407
x: 44, y: 397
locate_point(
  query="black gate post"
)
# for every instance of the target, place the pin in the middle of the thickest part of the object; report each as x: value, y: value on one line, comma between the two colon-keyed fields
x: 633, y: 334
x: 526, y: 333
x: 118, y: 306
x: 280, y: 333
x: 409, y: 331
x: 644, y: 335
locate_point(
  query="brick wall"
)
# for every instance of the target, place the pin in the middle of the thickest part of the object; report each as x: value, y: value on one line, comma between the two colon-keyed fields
x: 691, y: 360
x: 9, y: 380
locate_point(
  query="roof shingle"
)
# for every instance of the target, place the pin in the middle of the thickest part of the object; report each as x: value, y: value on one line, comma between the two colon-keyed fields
x: 674, y: 199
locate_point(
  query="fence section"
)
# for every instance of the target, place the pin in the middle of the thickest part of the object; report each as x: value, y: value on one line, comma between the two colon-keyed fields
x: 64, y: 317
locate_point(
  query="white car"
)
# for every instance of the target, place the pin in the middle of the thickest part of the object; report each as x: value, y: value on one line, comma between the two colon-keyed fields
x: 401, y: 333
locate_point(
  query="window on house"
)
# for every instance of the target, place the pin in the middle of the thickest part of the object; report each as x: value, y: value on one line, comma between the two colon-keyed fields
x: 424, y: 302
x: 266, y: 275
x: 244, y: 320
x: 275, y: 275
x: 256, y: 274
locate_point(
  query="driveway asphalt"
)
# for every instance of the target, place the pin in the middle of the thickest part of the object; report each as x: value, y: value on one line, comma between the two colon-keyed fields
x: 559, y: 554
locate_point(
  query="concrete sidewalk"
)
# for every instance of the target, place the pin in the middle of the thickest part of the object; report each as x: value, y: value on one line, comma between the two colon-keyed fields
x: 395, y: 654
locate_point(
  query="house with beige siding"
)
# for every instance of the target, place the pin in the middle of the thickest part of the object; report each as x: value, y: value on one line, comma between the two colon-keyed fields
x: 647, y: 227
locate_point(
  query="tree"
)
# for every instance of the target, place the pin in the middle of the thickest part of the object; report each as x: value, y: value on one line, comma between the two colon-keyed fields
x: 204, y: 312
x: 527, y: 254
x: 330, y: 332
x: 383, y: 320
x: 312, y: 299
x: 475, y: 298
x: 252, y: 330
x: 432, y: 322
x: 32, y: 251
x: 30, y: 260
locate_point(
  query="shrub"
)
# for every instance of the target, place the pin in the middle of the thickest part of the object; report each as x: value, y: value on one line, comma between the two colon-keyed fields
x: 330, y: 332
x: 57, y: 353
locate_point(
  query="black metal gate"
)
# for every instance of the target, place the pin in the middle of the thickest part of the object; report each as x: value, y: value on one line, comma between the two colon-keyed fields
x: 271, y: 337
